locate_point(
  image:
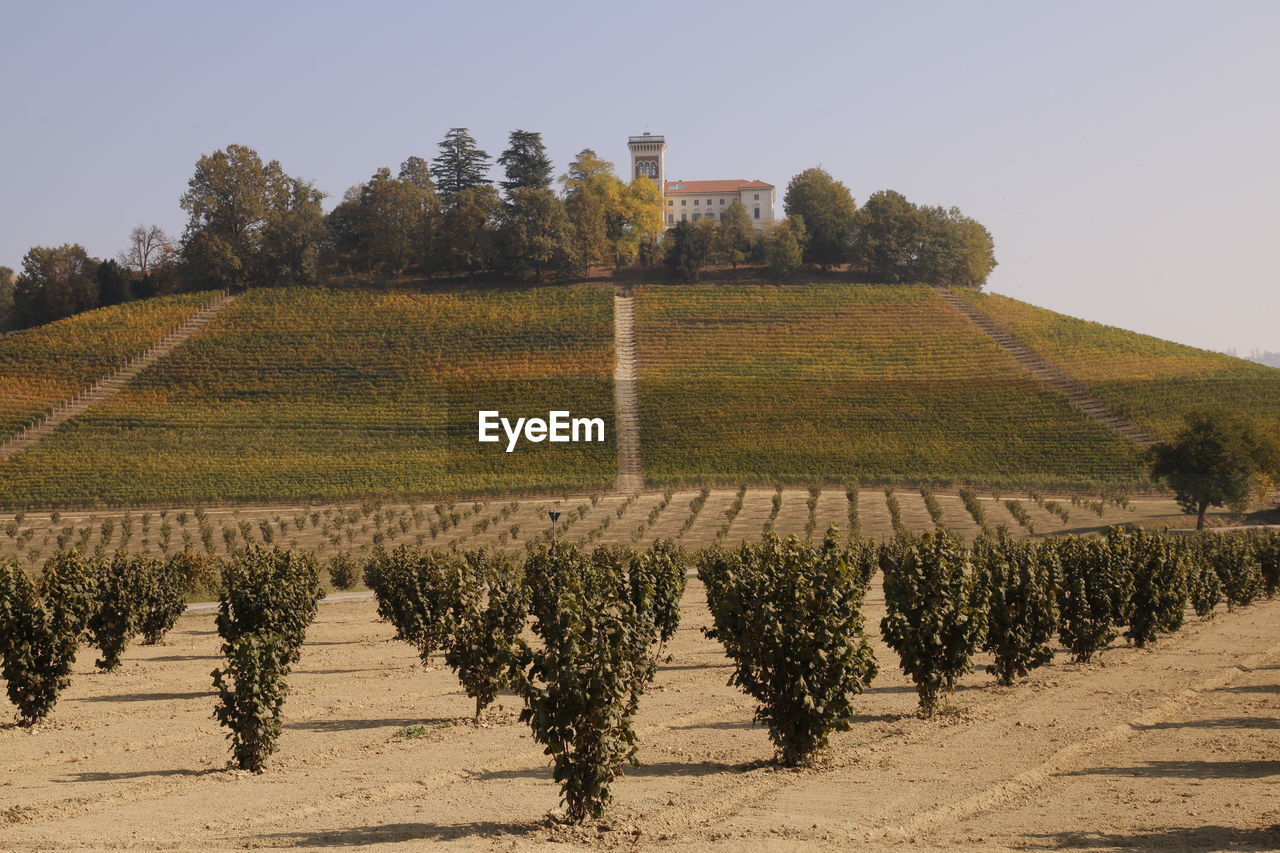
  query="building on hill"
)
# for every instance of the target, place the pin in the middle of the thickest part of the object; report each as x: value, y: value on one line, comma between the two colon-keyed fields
x: 694, y: 200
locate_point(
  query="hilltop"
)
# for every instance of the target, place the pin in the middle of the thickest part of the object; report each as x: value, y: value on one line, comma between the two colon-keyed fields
x: 322, y: 394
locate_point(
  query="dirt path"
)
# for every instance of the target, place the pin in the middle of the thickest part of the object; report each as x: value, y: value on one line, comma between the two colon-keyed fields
x: 1173, y: 746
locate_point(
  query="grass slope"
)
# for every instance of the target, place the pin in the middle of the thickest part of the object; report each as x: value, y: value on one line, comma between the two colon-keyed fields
x: 43, y: 366
x: 1153, y: 381
x: 828, y: 382
x: 296, y: 394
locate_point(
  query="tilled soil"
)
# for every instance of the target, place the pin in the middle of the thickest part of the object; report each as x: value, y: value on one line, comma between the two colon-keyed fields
x: 1172, y: 747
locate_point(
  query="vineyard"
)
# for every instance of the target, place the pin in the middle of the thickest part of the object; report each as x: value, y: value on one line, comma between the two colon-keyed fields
x: 846, y: 382
x: 1150, y: 380
x: 43, y: 366
x: 589, y: 684
x: 300, y: 394
x: 724, y: 517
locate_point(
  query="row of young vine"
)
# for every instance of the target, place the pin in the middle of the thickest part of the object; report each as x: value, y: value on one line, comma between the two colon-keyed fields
x: 576, y: 633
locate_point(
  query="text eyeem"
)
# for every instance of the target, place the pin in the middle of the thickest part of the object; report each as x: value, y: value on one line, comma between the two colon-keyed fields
x: 559, y: 426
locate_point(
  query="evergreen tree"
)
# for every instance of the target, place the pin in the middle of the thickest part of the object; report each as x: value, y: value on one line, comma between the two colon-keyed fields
x: 686, y: 254
x: 526, y: 163
x: 460, y: 165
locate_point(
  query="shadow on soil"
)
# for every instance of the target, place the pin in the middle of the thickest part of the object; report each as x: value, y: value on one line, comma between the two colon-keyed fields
x: 1190, y: 770
x: 1191, y: 839
x: 1219, y: 723
x: 136, y: 774
x: 149, y: 697
x: 648, y: 768
x: 358, y: 725
x: 391, y: 833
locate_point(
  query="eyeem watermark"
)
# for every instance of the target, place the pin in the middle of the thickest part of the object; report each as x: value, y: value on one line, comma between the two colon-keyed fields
x: 559, y: 426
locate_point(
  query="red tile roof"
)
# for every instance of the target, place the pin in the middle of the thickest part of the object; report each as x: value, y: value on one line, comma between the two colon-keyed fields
x: 678, y: 187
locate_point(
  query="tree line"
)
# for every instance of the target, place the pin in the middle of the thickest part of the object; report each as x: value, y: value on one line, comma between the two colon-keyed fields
x: 889, y: 239
x: 251, y: 224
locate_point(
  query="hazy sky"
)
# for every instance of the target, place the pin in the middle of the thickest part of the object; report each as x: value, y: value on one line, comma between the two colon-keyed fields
x: 1126, y: 155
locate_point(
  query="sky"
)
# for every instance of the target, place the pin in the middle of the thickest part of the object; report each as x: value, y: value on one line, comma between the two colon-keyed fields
x: 1125, y: 155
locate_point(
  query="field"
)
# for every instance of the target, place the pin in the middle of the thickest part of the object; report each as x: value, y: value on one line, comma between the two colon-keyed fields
x: 1153, y: 381
x: 832, y: 383
x: 300, y: 394
x: 43, y: 366
x: 1169, y: 747
x: 356, y: 528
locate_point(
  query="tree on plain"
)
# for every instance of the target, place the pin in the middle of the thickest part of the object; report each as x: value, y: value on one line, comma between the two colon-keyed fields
x: 535, y: 235
x: 1219, y: 458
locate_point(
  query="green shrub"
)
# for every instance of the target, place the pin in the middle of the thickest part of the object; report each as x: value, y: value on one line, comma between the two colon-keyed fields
x: 1267, y: 547
x: 268, y: 599
x: 582, y: 685
x: 1021, y: 611
x: 344, y: 573
x: 935, y: 611
x: 1092, y: 593
x: 491, y: 614
x: 40, y: 630
x: 252, y: 687
x: 164, y: 596
x: 1204, y: 587
x: 418, y: 592
x: 118, y: 605
x: 1158, y: 597
x: 658, y: 576
x: 1238, y: 568
x: 269, y: 592
x: 789, y: 617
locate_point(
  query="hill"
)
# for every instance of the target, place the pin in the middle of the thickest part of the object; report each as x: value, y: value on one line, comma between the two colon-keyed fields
x: 317, y: 394
x: 1150, y: 380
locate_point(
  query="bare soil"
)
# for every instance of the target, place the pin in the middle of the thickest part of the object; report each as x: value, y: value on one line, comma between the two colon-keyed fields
x: 1173, y: 747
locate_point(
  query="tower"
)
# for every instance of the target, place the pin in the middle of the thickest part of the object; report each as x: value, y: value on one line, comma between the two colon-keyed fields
x: 648, y: 158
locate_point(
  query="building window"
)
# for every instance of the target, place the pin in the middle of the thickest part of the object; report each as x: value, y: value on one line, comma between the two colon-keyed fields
x: 670, y: 203
x: 683, y: 202
x: 695, y: 202
x: 722, y: 201
x: 697, y: 216
x: 757, y: 197
x: 757, y: 213
x: 683, y: 217
x: 671, y: 217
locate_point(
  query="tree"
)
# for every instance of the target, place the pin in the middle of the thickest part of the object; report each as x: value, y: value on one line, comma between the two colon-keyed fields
x: 526, y: 163
x: 466, y: 240
x: 1218, y: 459
x: 147, y: 248
x: 827, y: 207
x: 896, y: 241
x: 249, y: 223
x: 784, y: 247
x: 56, y: 281
x: 7, y: 318
x: 686, y: 254
x: 887, y: 236
x: 113, y: 283
x: 641, y: 204
x: 536, y: 235
x: 459, y: 166
x: 594, y: 200
x: 734, y: 233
